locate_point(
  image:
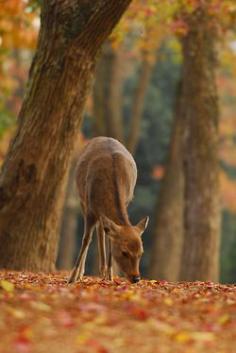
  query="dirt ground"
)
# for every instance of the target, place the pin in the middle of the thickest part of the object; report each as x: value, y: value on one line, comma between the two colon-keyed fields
x: 40, y: 313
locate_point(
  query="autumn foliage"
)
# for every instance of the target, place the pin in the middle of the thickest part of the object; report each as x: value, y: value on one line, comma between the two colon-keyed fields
x: 40, y: 313
x: 19, y: 25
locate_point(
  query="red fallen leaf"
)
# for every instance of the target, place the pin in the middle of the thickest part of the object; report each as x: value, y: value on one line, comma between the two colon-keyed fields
x: 119, y: 281
x: 25, y: 296
x: 97, y: 346
x: 122, y: 288
x: 22, y: 344
x: 65, y: 319
x: 138, y: 313
x: 211, y: 327
x: 98, y: 308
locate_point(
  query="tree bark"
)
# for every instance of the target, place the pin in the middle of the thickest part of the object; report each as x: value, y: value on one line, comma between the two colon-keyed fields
x: 200, y: 259
x: 168, y: 230
x: 138, y: 104
x: 36, y: 165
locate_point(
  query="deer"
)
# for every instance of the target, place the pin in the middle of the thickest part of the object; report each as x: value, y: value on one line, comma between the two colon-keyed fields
x: 106, y: 175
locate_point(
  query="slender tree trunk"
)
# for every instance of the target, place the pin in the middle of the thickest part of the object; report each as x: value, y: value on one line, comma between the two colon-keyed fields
x: 99, y: 126
x: 36, y: 165
x: 70, y: 216
x: 168, y: 230
x: 108, y: 93
x: 68, y: 243
x: 202, y: 215
x: 108, y: 99
x: 138, y: 104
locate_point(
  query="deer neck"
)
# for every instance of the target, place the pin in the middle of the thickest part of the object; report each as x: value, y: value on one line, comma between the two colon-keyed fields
x: 121, y: 215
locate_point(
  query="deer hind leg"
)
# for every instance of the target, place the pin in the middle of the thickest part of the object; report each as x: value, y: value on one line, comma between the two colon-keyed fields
x: 101, y: 250
x: 109, y: 269
x: 78, y: 270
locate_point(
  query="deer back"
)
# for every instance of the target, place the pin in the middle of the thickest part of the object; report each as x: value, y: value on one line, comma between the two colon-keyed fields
x: 106, y: 177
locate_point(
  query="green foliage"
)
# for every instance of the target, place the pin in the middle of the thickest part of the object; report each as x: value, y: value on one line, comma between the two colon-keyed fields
x: 34, y: 5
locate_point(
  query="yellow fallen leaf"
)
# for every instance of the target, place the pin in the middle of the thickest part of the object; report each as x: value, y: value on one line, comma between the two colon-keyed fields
x: 223, y: 319
x: 18, y: 314
x: 41, y: 306
x: 137, y: 298
x: 182, y: 337
x: 160, y: 326
x: 203, y: 336
x: 128, y: 295
x: 7, y: 286
x: 27, y: 332
x: 83, y: 337
x: 100, y: 320
x: 168, y: 301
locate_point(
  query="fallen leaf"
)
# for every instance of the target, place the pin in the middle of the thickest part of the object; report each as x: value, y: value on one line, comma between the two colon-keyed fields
x: 223, y: 319
x: 97, y: 346
x: 16, y: 313
x: 7, y: 286
x: 182, y: 337
x: 22, y: 345
x: 203, y: 336
x: 65, y: 319
x: 40, y: 306
x: 168, y: 301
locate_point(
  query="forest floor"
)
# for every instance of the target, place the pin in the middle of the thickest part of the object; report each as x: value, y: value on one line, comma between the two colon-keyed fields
x: 41, y: 314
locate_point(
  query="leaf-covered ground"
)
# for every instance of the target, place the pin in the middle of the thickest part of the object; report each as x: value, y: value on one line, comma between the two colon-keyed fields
x: 41, y: 313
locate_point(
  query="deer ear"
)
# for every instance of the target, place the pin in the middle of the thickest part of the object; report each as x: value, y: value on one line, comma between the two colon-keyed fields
x: 110, y: 228
x: 142, y: 225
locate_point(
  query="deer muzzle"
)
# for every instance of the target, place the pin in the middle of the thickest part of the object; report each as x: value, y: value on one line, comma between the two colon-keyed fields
x: 135, y: 279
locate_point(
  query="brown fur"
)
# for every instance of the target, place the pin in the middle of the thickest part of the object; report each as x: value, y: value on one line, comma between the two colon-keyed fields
x: 106, y: 177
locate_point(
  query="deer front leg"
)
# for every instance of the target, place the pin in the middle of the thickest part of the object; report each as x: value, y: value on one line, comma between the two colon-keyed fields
x: 101, y: 250
x: 78, y: 271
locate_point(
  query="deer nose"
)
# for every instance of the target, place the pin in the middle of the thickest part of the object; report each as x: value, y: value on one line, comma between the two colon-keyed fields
x: 135, y: 279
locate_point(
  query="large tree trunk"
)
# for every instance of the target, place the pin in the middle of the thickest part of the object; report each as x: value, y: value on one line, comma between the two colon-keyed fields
x: 108, y: 93
x: 168, y: 230
x: 35, y: 168
x: 202, y: 215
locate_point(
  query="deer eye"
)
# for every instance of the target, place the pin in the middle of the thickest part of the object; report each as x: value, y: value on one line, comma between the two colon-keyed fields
x: 125, y: 253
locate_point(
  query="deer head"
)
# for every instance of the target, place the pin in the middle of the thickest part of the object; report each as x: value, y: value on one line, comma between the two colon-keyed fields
x: 127, y: 247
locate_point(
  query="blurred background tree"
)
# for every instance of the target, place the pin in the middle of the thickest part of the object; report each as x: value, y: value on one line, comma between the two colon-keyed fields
x: 136, y: 99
